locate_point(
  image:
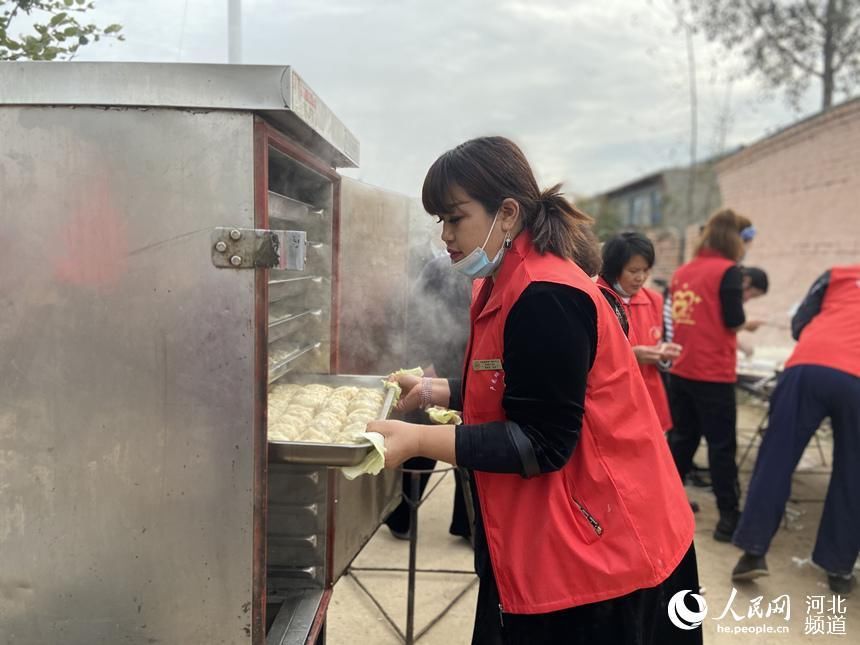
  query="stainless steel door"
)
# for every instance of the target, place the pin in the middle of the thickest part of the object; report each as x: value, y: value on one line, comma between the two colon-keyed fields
x: 126, y: 392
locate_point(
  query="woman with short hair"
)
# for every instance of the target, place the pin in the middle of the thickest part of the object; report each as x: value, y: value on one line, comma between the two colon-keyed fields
x: 627, y: 262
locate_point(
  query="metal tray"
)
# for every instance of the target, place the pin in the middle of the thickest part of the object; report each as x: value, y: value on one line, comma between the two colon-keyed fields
x: 329, y: 454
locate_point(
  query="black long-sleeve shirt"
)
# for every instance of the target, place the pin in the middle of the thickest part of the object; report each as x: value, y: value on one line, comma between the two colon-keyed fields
x: 811, y: 305
x: 732, y: 297
x: 550, y: 340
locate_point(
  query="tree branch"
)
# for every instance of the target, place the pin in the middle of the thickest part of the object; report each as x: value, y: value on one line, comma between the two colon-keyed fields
x: 11, y: 15
x: 774, y: 41
x: 848, y: 47
x: 812, y: 10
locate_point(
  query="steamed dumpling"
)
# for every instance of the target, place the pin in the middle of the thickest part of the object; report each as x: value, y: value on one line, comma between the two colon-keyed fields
x: 284, y: 432
x: 335, y: 406
x: 298, y: 411
x: 353, y: 428
x: 315, y: 436
x: 361, y: 404
x: 284, y: 391
x: 369, y: 393
x: 307, y: 400
x: 276, y: 408
x: 327, y: 423
x: 360, y: 416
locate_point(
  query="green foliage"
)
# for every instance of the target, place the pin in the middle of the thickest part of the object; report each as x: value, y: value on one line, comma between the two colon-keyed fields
x: 56, y: 33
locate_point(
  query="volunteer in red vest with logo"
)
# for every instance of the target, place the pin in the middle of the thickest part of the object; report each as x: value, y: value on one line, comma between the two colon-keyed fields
x: 583, y: 533
x: 821, y: 379
x: 627, y: 262
x: 707, y: 313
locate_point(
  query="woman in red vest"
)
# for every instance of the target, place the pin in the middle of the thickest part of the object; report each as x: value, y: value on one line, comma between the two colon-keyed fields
x: 707, y: 313
x: 627, y: 262
x: 583, y: 533
x: 821, y: 379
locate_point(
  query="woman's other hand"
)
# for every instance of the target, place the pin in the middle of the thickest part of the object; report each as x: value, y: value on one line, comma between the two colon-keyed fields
x: 435, y: 392
x: 410, y: 394
x: 401, y: 440
x: 647, y: 354
x: 752, y: 325
x: 669, y: 351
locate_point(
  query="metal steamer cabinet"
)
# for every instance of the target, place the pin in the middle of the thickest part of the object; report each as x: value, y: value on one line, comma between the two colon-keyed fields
x: 151, y: 293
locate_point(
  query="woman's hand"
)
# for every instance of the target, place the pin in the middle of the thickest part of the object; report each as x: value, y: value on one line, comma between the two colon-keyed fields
x: 410, y: 391
x: 410, y: 396
x: 669, y: 351
x: 752, y: 325
x: 647, y: 354
x: 402, y: 440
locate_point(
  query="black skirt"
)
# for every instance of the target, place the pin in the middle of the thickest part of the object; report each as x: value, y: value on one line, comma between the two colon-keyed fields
x: 639, y: 618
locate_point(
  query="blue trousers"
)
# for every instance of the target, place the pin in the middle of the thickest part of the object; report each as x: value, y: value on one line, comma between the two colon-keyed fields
x: 804, y: 396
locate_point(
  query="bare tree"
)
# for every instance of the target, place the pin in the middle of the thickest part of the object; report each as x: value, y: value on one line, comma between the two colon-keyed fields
x: 790, y: 43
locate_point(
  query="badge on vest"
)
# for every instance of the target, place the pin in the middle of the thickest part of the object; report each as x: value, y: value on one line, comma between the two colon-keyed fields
x: 487, y: 365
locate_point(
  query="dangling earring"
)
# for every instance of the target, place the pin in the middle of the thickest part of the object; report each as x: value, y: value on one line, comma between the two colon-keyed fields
x: 507, y: 242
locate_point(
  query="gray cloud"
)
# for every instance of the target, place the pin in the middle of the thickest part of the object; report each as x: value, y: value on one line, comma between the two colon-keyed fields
x: 596, y: 92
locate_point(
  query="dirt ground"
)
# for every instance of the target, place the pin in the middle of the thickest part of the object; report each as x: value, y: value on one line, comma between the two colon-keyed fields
x: 354, y: 619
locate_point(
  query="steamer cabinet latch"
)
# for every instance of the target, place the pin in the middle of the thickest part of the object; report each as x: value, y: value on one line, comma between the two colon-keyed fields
x: 249, y: 248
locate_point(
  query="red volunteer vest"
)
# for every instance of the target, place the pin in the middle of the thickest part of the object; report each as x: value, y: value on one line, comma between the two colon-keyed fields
x: 615, y: 518
x: 645, y: 317
x: 710, y: 349
x: 832, y: 338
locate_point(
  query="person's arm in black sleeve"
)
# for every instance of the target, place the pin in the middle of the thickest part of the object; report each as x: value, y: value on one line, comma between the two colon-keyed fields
x: 811, y: 305
x: 732, y: 298
x: 455, y: 387
x: 550, y: 344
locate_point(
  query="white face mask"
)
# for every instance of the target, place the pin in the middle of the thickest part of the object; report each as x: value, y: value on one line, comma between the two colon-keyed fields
x: 620, y: 291
x: 477, y: 264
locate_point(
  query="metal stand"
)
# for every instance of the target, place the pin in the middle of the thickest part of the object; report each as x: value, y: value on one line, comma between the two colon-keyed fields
x: 762, y: 390
x: 415, y: 501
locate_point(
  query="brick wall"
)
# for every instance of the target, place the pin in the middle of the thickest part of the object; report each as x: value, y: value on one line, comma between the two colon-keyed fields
x: 801, y: 188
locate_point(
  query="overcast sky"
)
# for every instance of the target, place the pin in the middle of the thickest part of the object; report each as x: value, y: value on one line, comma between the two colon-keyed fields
x: 596, y: 91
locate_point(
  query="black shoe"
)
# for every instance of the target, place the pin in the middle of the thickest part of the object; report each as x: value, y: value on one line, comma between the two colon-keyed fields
x: 750, y: 567
x: 400, y: 535
x: 725, y: 528
x: 696, y: 478
x: 841, y: 584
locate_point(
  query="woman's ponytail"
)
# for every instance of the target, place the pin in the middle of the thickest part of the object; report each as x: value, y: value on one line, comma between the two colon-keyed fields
x: 559, y: 227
